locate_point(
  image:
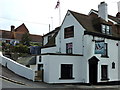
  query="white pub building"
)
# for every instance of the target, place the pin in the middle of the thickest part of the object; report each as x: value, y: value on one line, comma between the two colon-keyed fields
x: 84, y: 49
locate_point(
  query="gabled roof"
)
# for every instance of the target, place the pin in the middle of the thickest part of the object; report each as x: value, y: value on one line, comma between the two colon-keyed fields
x: 84, y: 20
x: 22, y: 29
x: 36, y: 38
x: 51, y: 42
x: 92, y: 23
x: 5, y: 34
x: 18, y: 33
x: 52, y: 32
x: 109, y: 16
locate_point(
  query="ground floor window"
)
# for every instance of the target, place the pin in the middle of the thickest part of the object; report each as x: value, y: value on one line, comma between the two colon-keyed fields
x: 113, y: 65
x: 66, y: 71
x: 104, y: 72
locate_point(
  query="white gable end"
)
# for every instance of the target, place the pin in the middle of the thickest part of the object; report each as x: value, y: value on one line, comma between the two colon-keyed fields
x: 70, y: 20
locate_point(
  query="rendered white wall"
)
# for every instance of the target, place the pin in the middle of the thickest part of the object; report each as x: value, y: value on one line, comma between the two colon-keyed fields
x: 17, y: 68
x: 102, y: 11
x: 112, y: 53
x: 119, y: 61
x: 76, y: 40
x: 49, y: 50
x: 33, y: 67
x: 46, y: 68
x: 82, y: 44
x: 52, y: 69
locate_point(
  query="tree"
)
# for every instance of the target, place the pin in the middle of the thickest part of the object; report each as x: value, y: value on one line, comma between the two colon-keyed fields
x: 25, y: 40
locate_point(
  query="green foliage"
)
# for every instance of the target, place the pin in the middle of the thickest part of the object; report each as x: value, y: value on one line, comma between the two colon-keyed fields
x: 21, y: 48
x: 35, y: 44
x: 26, y: 39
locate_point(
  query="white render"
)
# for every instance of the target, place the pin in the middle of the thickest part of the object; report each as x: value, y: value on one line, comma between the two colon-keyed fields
x: 102, y: 11
x: 33, y: 67
x: 83, y: 45
x: 49, y: 50
x: 54, y: 75
x: 113, y: 57
x: 17, y: 68
x: 119, y: 60
x: 118, y: 6
x: 78, y: 31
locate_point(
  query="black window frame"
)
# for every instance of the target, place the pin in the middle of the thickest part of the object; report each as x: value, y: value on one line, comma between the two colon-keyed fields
x: 69, y: 50
x: 105, y: 51
x: 40, y: 59
x: 105, y: 30
x: 66, y: 71
x: 69, y: 32
x: 104, y: 72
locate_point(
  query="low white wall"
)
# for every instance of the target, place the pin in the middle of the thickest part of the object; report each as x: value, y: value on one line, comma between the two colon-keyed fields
x: 33, y: 67
x: 17, y: 68
x: 119, y: 61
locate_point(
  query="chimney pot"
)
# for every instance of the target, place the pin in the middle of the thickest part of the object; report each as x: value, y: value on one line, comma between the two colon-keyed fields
x: 102, y: 2
x: 12, y: 27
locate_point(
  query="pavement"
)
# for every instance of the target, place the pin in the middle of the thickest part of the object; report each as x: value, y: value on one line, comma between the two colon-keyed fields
x: 12, y: 77
x: 8, y: 79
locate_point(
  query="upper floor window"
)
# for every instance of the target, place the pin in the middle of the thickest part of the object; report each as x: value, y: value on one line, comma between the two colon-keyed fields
x: 69, y: 47
x: 106, y: 29
x: 105, y: 54
x: 69, y: 32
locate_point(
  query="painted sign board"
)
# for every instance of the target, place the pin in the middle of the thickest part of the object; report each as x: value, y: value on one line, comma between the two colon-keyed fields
x: 99, y: 47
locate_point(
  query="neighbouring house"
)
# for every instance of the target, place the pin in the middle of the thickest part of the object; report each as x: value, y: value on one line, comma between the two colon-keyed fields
x: 15, y: 35
x: 84, y: 49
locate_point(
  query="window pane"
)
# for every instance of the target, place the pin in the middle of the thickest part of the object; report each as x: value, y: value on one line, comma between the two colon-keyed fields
x: 103, y: 28
x: 69, y: 47
x: 108, y: 29
x: 105, y: 50
x: 66, y: 71
x: 104, y: 72
x: 69, y: 32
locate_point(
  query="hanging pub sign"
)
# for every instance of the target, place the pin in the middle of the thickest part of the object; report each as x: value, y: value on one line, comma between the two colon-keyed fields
x: 99, y: 47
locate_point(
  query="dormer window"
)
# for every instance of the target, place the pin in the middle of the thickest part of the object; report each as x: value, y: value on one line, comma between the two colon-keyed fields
x: 106, y: 29
x: 49, y: 37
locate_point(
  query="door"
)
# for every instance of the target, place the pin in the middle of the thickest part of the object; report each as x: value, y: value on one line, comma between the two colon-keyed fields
x: 93, y: 70
x: 93, y: 73
x: 39, y: 73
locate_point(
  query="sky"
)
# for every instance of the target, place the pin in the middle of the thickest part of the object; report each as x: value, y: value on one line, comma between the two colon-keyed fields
x: 38, y: 14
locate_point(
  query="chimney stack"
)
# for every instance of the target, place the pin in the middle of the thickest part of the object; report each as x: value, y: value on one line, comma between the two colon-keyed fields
x: 102, y: 11
x: 118, y: 6
x: 12, y: 28
x: 118, y: 14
